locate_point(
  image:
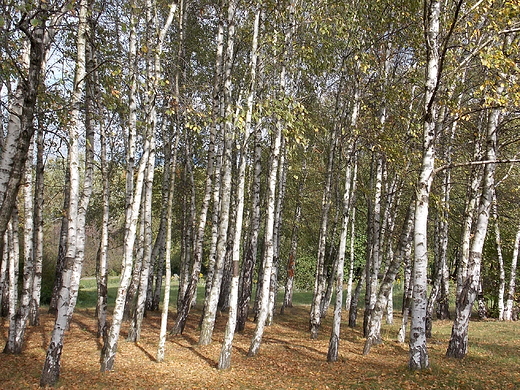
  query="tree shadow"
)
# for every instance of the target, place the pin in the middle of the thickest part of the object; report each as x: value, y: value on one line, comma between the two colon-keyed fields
x: 193, y: 348
x: 147, y: 354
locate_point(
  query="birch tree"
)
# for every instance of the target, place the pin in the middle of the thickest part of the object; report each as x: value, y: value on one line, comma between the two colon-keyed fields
x: 133, y: 202
x: 210, y: 183
x: 418, y: 352
x: 38, y: 26
x: 225, y: 353
x: 210, y: 309
x: 167, y: 259
x: 70, y: 279
x: 511, y: 290
x: 458, y: 344
x: 332, y: 354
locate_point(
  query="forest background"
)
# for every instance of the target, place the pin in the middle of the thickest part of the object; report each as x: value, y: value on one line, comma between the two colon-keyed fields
x: 257, y: 147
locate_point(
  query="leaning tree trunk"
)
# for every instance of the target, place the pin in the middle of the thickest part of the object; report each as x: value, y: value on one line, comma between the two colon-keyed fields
x: 20, y: 128
x: 458, y: 344
x: 374, y: 327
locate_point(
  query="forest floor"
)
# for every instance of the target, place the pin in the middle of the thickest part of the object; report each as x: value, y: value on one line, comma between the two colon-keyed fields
x: 288, y: 359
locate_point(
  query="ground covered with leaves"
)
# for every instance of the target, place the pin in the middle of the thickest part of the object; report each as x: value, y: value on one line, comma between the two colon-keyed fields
x: 288, y: 359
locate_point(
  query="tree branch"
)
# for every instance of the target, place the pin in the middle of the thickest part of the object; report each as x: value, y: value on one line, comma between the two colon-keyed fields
x: 474, y: 163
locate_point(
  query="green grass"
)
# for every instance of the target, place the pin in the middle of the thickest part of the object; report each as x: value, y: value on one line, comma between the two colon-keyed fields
x: 88, y: 294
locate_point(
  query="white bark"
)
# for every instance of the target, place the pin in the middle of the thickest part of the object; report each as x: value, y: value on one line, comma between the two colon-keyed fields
x: 500, y: 258
x: 332, y: 354
x: 508, y: 309
x: 22, y: 312
x: 102, y: 255
x: 210, y: 309
x: 12, y: 255
x: 34, y: 318
x: 374, y: 253
x: 418, y: 351
x: 167, y: 257
x: 458, y: 344
x: 291, y: 261
x: 385, y: 290
x: 51, y: 368
x: 225, y: 353
x: 134, y: 192
x: 320, y: 279
x: 282, y: 178
x: 269, y: 249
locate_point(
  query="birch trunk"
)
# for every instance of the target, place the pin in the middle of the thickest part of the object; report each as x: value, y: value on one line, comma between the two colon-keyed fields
x: 508, y: 309
x: 167, y: 256
x: 291, y: 261
x: 269, y: 249
x: 418, y: 351
x: 270, y: 224
x: 458, y: 344
x: 34, y: 312
x: 133, y: 202
x: 154, y: 74
x: 86, y: 191
x: 282, y: 178
x: 374, y: 242
x: 251, y: 245
x: 62, y: 246
x: 65, y: 304
x: 22, y: 312
x: 4, y: 279
x: 211, y: 172
x: 12, y: 255
x: 352, y: 258
x: 332, y: 354
x: 405, y: 242
x: 225, y: 353
x: 210, y: 309
x: 320, y: 277
x: 20, y: 128
x: 500, y: 258
x: 352, y: 313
